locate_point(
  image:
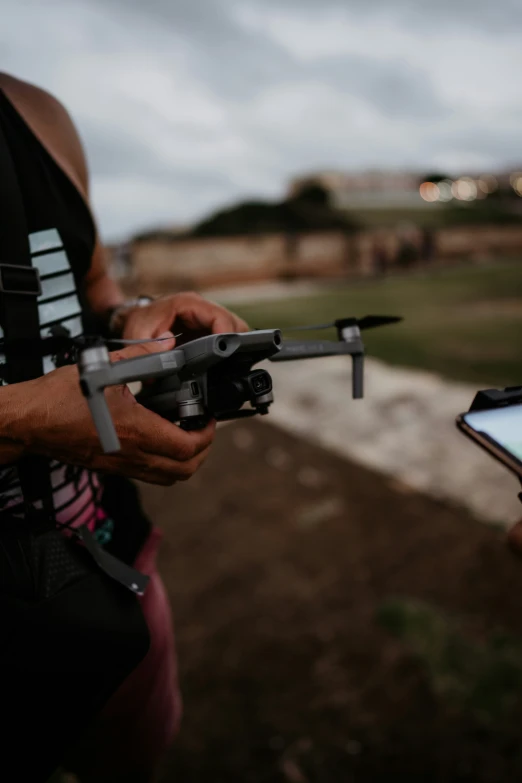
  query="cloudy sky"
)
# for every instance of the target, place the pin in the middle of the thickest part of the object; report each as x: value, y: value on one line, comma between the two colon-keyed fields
x: 186, y: 105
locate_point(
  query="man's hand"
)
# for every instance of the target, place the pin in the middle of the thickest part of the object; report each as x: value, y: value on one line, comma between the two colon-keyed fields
x: 50, y: 416
x: 185, y: 313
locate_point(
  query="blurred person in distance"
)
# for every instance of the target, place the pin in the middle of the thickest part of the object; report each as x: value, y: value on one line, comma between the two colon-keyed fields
x: 139, y: 722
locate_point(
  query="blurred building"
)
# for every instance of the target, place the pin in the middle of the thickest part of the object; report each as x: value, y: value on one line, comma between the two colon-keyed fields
x: 365, y: 190
x: 121, y: 259
x: 389, y: 190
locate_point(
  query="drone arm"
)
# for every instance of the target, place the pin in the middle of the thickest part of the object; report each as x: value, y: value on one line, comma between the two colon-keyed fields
x: 357, y: 376
x: 293, y: 350
x: 103, y: 422
x: 141, y: 368
x: 97, y: 372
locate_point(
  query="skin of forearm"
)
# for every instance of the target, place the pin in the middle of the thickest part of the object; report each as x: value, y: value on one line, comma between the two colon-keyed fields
x: 102, y: 292
x: 13, y: 444
x: 16, y: 421
x: 16, y: 401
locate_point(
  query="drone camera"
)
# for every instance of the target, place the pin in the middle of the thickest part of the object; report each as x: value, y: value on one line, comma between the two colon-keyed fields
x: 260, y: 383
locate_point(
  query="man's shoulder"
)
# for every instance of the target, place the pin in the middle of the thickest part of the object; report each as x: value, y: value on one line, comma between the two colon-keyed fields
x: 26, y: 94
x: 50, y: 121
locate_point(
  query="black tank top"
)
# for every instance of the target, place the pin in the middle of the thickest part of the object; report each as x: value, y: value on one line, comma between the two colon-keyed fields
x: 61, y: 238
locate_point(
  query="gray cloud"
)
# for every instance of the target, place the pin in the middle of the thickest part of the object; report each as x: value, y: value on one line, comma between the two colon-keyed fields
x: 184, y: 106
x: 238, y: 63
x: 210, y: 18
x: 116, y: 155
x: 503, y: 16
x: 484, y: 144
x: 393, y: 88
x: 232, y: 60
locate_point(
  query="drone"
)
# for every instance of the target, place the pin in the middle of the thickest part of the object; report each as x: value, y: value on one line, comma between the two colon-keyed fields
x: 212, y: 377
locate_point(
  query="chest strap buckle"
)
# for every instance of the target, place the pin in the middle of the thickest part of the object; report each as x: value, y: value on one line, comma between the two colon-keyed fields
x: 20, y: 280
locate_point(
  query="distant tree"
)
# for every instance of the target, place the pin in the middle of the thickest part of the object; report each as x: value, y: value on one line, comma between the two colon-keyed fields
x: 302, y: 213
x: 157, y: 235
x: 249, y: 217
x: 434, y: 177
x: 313, y: 193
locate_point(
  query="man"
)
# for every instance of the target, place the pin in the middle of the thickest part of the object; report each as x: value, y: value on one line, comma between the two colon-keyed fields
x: 48, y: 415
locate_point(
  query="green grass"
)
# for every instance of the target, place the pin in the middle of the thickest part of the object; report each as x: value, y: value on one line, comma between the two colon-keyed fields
x: 463, y: 323
x: 478, y: 678
x: 435, y: 215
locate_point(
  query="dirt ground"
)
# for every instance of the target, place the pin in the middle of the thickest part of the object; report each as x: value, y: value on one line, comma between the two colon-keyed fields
x: 278, y: 559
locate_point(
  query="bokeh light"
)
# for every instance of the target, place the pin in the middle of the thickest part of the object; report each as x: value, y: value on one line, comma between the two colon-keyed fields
x: 464, y: 189
x: 488, y: 183
x: 445, y: 193
x: 429, y: 191
x: 516, y: 182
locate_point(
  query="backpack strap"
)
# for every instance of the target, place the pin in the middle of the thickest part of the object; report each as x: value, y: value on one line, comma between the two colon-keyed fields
x: 20, y: 288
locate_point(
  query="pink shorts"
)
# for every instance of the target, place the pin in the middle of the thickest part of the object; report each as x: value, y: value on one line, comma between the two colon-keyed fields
x: 139, y: 723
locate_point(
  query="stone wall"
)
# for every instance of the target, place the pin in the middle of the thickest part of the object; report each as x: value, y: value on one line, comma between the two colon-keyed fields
x: 207, y: 262
x: 480, y: 242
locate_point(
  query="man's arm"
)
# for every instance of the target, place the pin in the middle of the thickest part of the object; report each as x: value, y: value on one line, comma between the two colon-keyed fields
x: 102, y: 291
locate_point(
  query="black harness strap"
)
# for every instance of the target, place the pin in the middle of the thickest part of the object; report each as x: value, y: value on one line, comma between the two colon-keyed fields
x: 19, y: 290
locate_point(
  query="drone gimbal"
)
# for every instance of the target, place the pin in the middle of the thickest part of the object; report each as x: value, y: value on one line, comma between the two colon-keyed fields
x: 212, y: 377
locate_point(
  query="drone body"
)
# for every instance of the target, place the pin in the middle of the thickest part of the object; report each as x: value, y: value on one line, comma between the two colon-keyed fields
x: 181, y: 390
x: 192, y: 397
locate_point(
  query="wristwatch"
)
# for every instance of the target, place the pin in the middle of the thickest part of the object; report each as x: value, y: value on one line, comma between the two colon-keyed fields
x: 116, y: 315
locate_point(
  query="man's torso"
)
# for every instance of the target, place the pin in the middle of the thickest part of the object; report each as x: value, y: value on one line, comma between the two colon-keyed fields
x: 61, y: 239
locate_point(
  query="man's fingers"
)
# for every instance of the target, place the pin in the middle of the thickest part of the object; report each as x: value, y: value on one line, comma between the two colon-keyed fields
x: 228, y: 322
x: 164, y: 342
x: 161, y: 437
x: 188, y: 469
x: 199, y: 315
x: 148, y: 322
x: 189, y: 311
x: 162, y: 470
x: 165, y: 471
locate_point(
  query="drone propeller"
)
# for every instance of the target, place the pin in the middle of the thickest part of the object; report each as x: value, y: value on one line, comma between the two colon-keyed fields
x: 48, y: 346
x: 368, y: 322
